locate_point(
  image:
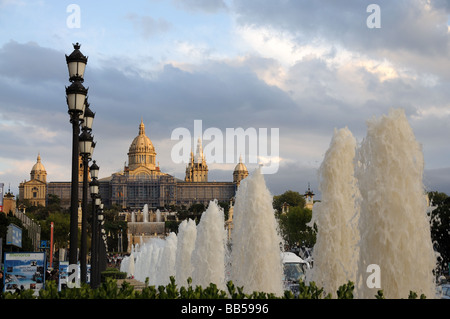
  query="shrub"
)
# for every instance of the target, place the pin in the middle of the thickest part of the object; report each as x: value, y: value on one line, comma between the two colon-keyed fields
x: 112, y: 273
x: 110, y: 290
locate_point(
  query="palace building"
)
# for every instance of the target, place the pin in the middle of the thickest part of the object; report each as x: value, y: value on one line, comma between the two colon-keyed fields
x: 141, y: 181
x: 35, y: 190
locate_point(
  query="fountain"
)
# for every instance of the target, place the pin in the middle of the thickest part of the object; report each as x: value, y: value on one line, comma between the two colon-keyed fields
x: 158, y: 216
x: 390, y: 212
x: 166, y: 265
x: 200, y: 251
x: 187, y: 234
x: 256, y: 254
x: 139, y: 232
x: 394, y: 228
x: 336, y: 252
x: 131, y: 266
x: 208, y: 257
x: 373, y: 212
x: 145, y: 214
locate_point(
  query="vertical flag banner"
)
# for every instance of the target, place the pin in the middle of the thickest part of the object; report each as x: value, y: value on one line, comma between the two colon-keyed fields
x: 1, y: 196
x: 62, y: 282
x: 14, y: 236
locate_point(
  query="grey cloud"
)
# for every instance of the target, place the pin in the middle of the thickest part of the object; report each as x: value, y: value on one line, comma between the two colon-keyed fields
x: 221, y: 94
x: 441, y: 4
x: 407, y: 28
x: 148, y: 26
x: 208, y: 6
x: 31, y: 63
x: 437, y: 180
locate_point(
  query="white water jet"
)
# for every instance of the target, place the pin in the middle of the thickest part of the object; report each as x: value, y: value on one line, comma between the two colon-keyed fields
x: 142, y: 262
x: 131, y: 267
x: 158, y: 216
x: 335, y: 253
x: 154, y: 258
x: 166, y: 265
x: 187, y: 234
x: 145, y: 213
x: 394, y: 228
x: 208, y: 257
x: 256, y: 254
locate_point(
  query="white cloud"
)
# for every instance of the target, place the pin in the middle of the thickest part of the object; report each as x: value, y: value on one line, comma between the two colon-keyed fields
x: 12, y: 2
x: 304, y: 67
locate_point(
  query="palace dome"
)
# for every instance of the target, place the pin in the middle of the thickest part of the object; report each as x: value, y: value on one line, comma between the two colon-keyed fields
x: 240, y: 172
x: 240, y: 167
x: 38, y: 167
x: 38, y: 171
x: 141, y: 143
x: 141, y: 152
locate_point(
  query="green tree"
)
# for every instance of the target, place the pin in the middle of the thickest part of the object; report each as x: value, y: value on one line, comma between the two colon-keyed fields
x: 289, y: 197
x: 114, y: 226
x: 5, y: 221
x: 294, y: 229
x: 292, y: 224
x: 3, y: 228
x: 197, y: 209
x: 61, y: 228
x: 440, y: 232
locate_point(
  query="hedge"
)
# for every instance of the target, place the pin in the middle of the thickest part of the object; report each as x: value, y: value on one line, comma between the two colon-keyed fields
x: 110, y: 290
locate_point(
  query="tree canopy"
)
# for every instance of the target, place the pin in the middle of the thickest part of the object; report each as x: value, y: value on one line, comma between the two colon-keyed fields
x: 293, y: 224
x: 293, y: 199
x: 440, y: 221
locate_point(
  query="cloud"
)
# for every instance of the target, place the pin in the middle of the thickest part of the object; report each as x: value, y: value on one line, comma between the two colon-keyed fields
x: 208, y: 6
x: 149, y: 27
x: 4, y: 3
x: 411, y: 31
x: 31, y: 63
x: 305, y: 67
x: 437, y: 180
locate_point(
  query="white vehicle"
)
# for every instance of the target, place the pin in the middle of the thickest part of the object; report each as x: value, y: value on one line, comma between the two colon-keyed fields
x: 294, y: 270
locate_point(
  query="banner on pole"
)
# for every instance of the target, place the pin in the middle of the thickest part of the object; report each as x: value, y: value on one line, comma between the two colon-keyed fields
x: 1, y: 196
x: 62, y: 282
x: 14, y: 236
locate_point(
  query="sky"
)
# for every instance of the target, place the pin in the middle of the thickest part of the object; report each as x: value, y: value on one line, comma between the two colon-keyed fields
x: 303, y: 67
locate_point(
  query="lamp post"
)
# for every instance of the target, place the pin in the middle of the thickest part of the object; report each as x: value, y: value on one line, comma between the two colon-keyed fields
x: 86, y: 141
x: 101, y: 243
x: 75, y: 96
x: 94, y: 186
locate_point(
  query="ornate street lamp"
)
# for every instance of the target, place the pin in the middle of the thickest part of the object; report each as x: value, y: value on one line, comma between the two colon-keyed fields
x: 88, y: 118
x: 98, y: 269
x: 94, y: 174
x: 92, y: 149
x: 75, y: 96
x: 94, y: 190
x: 76, y: 62
x: 85, y: 141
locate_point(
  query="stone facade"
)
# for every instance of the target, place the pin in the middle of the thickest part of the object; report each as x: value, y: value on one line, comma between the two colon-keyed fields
x: 35, y: 190
x: 142, y: 182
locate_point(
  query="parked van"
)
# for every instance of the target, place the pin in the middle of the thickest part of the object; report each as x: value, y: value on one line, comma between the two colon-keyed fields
x: 294, y: 270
